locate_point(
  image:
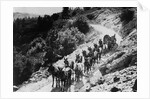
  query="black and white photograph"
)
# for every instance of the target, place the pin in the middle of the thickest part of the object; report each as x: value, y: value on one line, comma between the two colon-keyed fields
x: 75, y: 49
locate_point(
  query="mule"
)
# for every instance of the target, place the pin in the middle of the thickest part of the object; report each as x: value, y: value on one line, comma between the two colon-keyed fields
x: 105, y: 48
x: 100, y: 43
x: 72, y: 65
x: 87, y: 64
x: 110, y: 41
x: 90, y: 55
x: 67, y: 76
x: 113, y: 41
x: 55, y: 74
x: 78, y: 71
x: 95, y: 57
x: 78, y: 58
x: 99, y: 53
x: 66, y: 61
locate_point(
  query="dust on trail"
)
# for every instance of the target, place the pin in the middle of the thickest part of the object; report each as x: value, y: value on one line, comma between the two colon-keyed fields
x: 107, y: 31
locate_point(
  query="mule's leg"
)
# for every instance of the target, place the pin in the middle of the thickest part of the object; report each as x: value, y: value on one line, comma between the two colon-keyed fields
x: 62, y: 86
x: 96, y: 59
x: 56, y: 82
x: 84, y: 68
x: 53, y: 81
x: 78, y: 77
x: 61, y: 82
x: 87, y: 69
x: 67, y: 81
x: 99, y: 56
x: 75, y: 75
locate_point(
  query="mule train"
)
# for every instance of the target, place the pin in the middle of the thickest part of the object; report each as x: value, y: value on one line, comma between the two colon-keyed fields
x: 73, y: 71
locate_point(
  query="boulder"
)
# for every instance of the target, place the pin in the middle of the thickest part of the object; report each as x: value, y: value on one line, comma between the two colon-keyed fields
x: 97, y: 77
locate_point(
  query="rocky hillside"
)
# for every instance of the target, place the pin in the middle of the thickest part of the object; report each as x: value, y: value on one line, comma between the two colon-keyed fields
x: 116, y: 71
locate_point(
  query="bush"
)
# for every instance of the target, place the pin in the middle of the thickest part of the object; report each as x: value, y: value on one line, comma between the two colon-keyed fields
x: 86, y: 8
x: 25, y: 65
x: 81, y: 24
x: 69, y: 39
x: 59, y: 24
x: 36, y: 46
x: 19, y: 64
x: 77, y: 11
x: 90, y: 16
x: 128, y: 28
x: 127, y: 15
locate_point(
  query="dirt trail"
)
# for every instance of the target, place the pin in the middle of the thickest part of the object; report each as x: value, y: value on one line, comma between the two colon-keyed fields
x: 106, y: 31
x: 45, y: 85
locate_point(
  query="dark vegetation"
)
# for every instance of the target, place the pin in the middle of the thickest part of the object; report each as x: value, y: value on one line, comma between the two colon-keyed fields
x: 127, y: 15
x: 90, y: 16
x: 42, y: 40
x: 129, y: 19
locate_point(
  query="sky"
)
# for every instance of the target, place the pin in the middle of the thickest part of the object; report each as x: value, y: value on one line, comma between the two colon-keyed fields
x: 38, y: 10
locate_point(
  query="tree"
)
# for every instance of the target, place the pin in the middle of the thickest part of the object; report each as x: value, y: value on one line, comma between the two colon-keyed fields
x: 82, y: 25
x: 55, y: 16
x: 77, y: 11
x: 86, y: 8
x: 65, y: 13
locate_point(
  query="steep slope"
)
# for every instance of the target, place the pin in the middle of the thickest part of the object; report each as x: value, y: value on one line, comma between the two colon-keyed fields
x: 119, y: 70
x: 45, y: 83
x: 115, y: 72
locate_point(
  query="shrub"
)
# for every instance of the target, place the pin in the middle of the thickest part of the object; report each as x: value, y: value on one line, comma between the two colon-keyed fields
x: 86, y: 8
x: 59, y: 24
x: 69, y: 39
x: 65, y: 13
x: 19, y: 64
x: 90, y: 16
x: 25, y: 65
x: 36, y: 46
x: 128, y: 28
x: 81, y: 24
x: 77, y: 11
x: 127, y: 15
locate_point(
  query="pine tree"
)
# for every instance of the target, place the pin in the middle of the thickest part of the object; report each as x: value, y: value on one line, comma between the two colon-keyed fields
x: 65, y: 13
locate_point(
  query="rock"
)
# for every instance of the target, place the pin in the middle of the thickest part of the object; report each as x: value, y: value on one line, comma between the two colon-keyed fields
x: 116, y: 79
x: 86, y: 87
x: 103, y: 70
x: 72, y: 87
x: 78, y: 85
x: 97, y: 77
x: 134, y: 88
x: 15, y: 88
x: 114, y: 89
x: 123, y: 80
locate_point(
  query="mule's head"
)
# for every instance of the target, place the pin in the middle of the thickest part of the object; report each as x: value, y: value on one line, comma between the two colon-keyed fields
x: 84, y: 53
x: 113, y: 38
x: 66, y: 61
x: 95, y: 45
x: 89, y: 48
